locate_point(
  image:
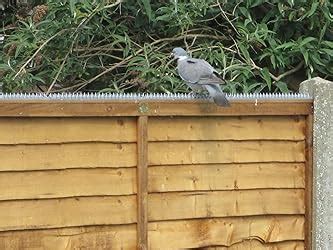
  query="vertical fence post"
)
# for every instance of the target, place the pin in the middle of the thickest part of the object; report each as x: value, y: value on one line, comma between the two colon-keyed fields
x: 322, y: 92
x: 142, y: 182
x: 309, y: 183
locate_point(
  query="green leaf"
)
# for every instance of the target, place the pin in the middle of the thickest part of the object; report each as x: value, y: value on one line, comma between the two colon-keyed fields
x: 316, y: 59
x: 147, y: 7
x: 72, y: 7
x: 245, y: 52
x: 327, y: 13
x: 323, y: 30
x: 291, y: 2
x: 328, y: 43
x: 255, y: 3
x: 265, y: 74
x: 245, y: 12
x: 247, y: 21
x: 305, y: 54
x: 285, y: 45
x: 307, y: 40
x: 281, y: 8
x: 253, y: 86
x: 38, y: 79
x: 282, y: 86
x: 264, y: 55
x: 165, y: 17
x: 313, y: 8
x: 4, y: 66
x: 328, y: 52
x: 291, y: 15
x: 272, y: 57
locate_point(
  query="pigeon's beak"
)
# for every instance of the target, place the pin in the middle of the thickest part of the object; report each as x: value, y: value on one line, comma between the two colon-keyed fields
x: 171, y: 54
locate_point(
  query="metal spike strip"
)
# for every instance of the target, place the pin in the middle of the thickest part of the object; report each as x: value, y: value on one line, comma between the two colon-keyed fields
x: 147, y: 96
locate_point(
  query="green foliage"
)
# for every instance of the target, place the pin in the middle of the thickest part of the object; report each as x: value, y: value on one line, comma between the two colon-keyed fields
x: 124, y: 46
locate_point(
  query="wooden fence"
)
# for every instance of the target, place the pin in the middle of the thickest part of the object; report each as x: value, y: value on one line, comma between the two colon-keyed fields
x: 155, y: 175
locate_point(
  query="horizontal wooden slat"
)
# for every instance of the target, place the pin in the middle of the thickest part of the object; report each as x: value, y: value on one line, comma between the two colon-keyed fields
x: 226, y: 128
x: 160, y: 108
x: 95, y: 237
x: 69, y: 212
x: 225, y: 232
x: 225, y: 177
x: 183, y: 205
x: 108, y: 237
x: 72, y: 155
x: 57, y: 130
x: 170, y: 153
x: 257, y: 245
x: 67, y: 183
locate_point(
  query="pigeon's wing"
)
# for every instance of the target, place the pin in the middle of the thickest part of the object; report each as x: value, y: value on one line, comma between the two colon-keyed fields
x: 208, y: 65
x: 213, y: 78
x: 193, y: 70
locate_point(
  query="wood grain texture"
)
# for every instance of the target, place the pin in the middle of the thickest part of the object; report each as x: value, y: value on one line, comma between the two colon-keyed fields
x: 67, y: 183
x: 57, y: 130
x: 93, y: 237
x: 257, y: 245
x: 69, y: 212
x: 185, y: 205
x: 226, y: 177
x: 227, y: 128
x: 62, y: 156
x: 224, y: 232
x: 142, y: 182
x: 309, y: 184
x: 151, y: 108
x: 173, y: 153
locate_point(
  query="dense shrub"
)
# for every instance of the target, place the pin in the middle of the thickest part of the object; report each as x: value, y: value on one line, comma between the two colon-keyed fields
x: 124, y: 46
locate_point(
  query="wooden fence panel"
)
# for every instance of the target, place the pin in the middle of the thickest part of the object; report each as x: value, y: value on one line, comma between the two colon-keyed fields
x: 65, y: 130
x: 227, y: 128
x: 213, y: 204
x: 67, y: 183
x: 173, y: 153
x: 68, y: 212
x: 92, y: 237
x: 68, y: 155
x: 63, y: 179
x: 257, y: 245
x: 226, y: 177
x: 224, y: 231
x: 155, y: 175
x: 231, y: 168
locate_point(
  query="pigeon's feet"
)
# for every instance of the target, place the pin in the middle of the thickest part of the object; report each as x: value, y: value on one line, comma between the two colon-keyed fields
x: 199, y: 95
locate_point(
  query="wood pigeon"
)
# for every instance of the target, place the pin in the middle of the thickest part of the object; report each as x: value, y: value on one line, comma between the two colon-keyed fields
x: 199, y: 75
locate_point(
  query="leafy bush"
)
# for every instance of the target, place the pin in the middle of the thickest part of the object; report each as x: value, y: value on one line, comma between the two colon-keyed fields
x: 124, y: 46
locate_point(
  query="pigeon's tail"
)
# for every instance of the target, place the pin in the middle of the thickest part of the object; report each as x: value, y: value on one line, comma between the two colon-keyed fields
x: 219, y: 97
x: 221, y: 100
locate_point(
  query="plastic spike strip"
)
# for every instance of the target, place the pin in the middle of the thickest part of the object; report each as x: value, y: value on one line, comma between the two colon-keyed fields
x: 146, y: 96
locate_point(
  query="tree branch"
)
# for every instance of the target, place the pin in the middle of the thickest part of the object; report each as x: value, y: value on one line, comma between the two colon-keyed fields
x: 62, y: 65
x: 287, y: 73
x: 37, y: 51
x: 168, y: 39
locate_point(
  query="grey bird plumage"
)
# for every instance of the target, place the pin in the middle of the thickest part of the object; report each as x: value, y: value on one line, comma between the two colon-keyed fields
x: 199, y: 75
